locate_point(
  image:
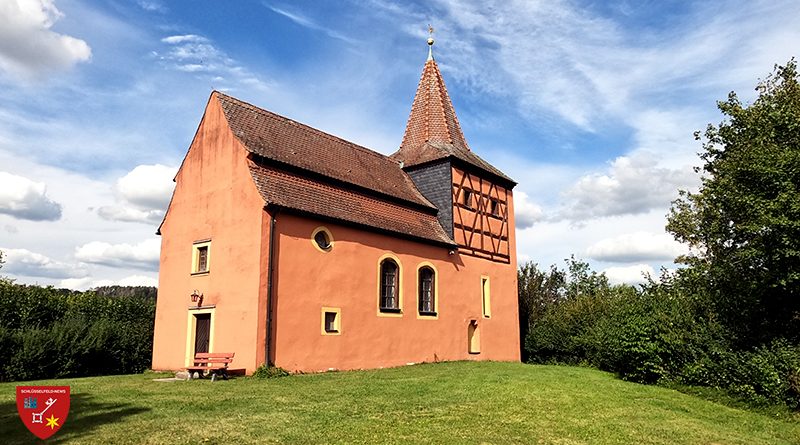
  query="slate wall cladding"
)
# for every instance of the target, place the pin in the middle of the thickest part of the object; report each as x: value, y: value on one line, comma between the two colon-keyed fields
x: 436, y: 184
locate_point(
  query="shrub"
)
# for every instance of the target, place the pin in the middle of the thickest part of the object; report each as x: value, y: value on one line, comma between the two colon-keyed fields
x: 269, y: 372
x: 667, y: 331
x: 767, y: 374
x: 52, y: 333
x: 564, y: 334
x: 655, y: 335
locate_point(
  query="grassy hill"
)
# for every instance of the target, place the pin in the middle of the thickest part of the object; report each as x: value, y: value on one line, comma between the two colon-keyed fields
x: 464, y: 402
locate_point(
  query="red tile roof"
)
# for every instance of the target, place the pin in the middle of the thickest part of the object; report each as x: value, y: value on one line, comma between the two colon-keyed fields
x: 298, y: 192
x: 281, y: 139
x: 432, y: 117
x: 433, y: 131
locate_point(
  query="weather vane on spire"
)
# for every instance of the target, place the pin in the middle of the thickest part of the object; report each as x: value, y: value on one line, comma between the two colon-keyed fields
x: 430, y: 42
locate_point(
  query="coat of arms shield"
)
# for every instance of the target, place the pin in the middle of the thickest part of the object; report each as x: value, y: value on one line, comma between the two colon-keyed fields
x: 43, y: 409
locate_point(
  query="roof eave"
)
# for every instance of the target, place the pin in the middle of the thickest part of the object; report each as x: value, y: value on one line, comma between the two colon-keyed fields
x: 501, y: 180
x: 271, y: 207
x: 428, y: 207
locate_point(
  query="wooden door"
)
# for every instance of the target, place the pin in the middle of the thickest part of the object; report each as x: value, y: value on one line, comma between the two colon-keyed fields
x: 202, y: 333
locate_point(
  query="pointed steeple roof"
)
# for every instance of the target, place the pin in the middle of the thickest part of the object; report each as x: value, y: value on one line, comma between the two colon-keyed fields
x: 432, y: 117
x: 433, y: 131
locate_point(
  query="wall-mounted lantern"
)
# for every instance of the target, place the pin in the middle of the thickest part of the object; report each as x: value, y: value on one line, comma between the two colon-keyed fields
x: 196, y: 297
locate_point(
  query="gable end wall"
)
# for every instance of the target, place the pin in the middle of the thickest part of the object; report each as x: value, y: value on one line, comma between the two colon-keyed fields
x: 215, y: 199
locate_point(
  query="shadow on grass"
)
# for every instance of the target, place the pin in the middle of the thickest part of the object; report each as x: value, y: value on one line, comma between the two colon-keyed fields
x: 85, y: 414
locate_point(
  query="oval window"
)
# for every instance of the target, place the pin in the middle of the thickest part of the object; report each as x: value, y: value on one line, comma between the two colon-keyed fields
x: 323, y: 240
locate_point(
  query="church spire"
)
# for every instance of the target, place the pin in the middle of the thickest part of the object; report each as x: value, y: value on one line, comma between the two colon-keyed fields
x: 432, y: 129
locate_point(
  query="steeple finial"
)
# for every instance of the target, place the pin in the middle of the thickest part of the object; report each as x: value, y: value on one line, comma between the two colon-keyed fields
x: 430, y: 42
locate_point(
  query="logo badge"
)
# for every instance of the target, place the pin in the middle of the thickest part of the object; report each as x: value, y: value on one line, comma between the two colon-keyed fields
x: 43, y: 409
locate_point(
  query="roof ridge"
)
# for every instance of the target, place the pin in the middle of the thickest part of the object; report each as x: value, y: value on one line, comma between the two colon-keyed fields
x: 315, y: 130
x: 398, y: 184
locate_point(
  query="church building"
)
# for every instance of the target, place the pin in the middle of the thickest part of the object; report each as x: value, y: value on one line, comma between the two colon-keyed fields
x: 292, y: 247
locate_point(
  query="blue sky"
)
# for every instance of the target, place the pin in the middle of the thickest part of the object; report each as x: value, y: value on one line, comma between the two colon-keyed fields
x: 590, y: 106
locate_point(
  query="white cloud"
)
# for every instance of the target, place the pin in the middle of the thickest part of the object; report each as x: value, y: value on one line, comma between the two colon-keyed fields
x: 184, y: 39
x: 32, y: 264
x: 561, y: 59
x: 636, y: 247
x: 148, y: 186
x: 144, y: 255
x: 91, y: 283
x: 83, y: 283
x: 635, y: 274
x: 152, y: 6
x: 25, y: 199
x: 197, y: 54
x: 526, y: 213
x: 27, y: 45
x: 143, y: 195
x: 128, y: 214
x: 550, y: 242
x: 309, y: 23
x: 138, y: 280
x: 632, y: 185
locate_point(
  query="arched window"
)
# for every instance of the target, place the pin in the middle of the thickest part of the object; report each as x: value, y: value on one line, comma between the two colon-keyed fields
x: 390, y: 285
x: 427, y: 291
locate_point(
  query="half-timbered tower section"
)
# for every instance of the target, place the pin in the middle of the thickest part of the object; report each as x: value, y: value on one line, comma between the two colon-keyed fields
x: 473, y: 196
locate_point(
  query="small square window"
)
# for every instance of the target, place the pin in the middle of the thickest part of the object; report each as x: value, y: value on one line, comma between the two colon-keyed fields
x: 201, y: 257
x: 468, y: 199
x: 495, y: 208
x: 331, y: 321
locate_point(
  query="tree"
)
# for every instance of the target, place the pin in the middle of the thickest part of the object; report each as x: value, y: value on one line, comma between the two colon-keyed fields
x: 2, y: 259
x: 541, y: 291
x: 744, y: 222
x: 537, y: 291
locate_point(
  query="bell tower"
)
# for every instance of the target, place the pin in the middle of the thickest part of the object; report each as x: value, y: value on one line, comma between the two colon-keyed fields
x: 473, y: 197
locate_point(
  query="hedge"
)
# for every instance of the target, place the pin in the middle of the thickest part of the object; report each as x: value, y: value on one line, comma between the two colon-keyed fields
x: 52, y: 333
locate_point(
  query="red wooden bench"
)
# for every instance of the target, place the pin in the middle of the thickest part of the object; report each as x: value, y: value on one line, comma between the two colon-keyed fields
x: 215, y: 363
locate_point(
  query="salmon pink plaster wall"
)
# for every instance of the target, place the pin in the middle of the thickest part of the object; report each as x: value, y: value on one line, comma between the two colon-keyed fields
x: 215, y: 198
x: 346, y: 277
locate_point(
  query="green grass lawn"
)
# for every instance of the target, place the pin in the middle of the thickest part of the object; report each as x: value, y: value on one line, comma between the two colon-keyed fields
x: 464, y: 402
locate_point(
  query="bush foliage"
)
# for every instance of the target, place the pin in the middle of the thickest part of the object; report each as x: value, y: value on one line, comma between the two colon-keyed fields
x: 52, y: 333
x: 731, y: 318
x: 270, y: 372
x: 662, y: 332
x: 744, y: 221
